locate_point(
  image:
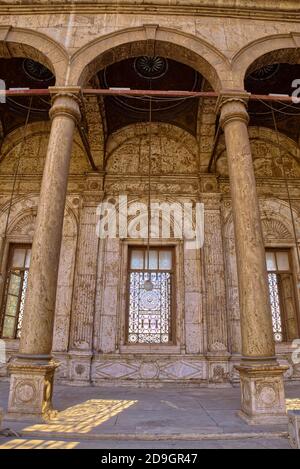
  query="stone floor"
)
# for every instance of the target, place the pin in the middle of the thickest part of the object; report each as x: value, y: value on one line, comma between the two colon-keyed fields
x: 125, y: 417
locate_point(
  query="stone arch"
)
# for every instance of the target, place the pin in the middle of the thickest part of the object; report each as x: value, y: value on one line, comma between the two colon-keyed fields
x: 22, y: 42
x: 174, y: 150
x: 276, y: 221
x: 150, y: 39
x: 34, y: 150
x: 266, y: 158
x: 274, y: 229
x: 24, y: 224
x: 263, y: 51
x: 23, y: 213
x: 22, y: 206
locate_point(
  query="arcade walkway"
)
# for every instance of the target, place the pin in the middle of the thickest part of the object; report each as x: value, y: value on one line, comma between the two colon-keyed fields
x: 169, y: 417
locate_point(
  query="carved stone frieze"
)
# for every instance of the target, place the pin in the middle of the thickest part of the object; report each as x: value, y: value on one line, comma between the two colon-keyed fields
x: 159, y: 369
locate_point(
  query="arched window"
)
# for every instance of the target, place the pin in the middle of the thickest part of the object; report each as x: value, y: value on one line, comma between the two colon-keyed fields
x: 15, y: 287
x: 282, y: 295
x: 150, y: 319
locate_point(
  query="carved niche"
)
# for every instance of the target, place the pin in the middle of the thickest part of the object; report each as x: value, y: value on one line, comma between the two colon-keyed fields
x: 269, y: 159
x: 174, y: 151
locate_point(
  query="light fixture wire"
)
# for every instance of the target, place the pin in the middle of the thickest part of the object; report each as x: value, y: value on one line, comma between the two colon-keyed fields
x: 4, y: 239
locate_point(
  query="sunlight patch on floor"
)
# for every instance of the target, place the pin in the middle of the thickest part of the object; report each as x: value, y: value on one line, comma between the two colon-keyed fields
x: 38, y: 444
x: 82, y: 418
x: 293, y: 404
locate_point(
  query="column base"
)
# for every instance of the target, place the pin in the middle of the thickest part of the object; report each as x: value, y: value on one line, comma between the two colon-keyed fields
x: 262, y: 394
x: 31, y: 388
x: 294, y: 428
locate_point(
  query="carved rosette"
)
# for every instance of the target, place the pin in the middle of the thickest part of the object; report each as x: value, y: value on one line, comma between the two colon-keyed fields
x: 262, y: 393
x: 31, y: 388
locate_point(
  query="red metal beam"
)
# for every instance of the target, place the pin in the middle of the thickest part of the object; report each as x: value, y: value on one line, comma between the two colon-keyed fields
x: 152, y: 93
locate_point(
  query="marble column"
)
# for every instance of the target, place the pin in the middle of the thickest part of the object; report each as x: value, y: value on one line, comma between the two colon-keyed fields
x: 32, y: 372
x: 261, y: 377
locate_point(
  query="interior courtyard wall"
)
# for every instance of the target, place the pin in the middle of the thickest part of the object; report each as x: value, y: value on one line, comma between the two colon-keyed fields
x: 91, y: 299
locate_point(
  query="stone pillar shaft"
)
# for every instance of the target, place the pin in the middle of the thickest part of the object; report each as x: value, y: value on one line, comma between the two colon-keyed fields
x: 36, y: 338
x: 32, y: 372
x: 256, y: 320
x: 261, y: 377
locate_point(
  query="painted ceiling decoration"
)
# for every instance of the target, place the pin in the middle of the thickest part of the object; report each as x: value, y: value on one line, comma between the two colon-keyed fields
x: 151, y: 68
x: 36, y: 71
x: 265, y: 73
x: 156, y: 73
x: 274, y: 78
x: 24, y: 73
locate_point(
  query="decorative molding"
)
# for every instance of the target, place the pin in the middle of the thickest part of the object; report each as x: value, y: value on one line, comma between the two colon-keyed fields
x: 287, y: 11
x: 158, y: 369
x: 275, y: 230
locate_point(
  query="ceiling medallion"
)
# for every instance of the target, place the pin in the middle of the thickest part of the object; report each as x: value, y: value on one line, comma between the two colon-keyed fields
x: 36, y: 71
x: 151, y: 68
x: 265, y: 73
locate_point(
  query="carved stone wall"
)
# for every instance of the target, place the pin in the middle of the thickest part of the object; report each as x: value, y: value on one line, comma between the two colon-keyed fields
x: 92, y: 287
x: 267, y: 158
x: 91, y: 299
x: 33, y: 151
x: 221, y: 43
x: 174, y: 151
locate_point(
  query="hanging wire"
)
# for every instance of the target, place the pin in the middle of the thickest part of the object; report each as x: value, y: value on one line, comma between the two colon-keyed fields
x: 149, y: 182
x: 288, y: 193
x: 278, y: 110
x: 14, y: 187
x: 148, y: 285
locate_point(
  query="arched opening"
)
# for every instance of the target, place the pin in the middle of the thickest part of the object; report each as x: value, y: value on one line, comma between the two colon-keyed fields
x: 150, y: 73
x: 151, y: 41
x: 133, y: 127
x: 275, y: 73
x: 24, y: 73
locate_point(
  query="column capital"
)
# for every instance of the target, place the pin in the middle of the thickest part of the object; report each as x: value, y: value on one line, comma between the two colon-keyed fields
x: 65, y: 101
x: 232, y: 105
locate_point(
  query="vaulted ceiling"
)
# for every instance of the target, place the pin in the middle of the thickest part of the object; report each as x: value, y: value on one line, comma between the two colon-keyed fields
x: 275, y: 79
x: 156, y: 73
x: 146, y: 73
x: 24, y: 73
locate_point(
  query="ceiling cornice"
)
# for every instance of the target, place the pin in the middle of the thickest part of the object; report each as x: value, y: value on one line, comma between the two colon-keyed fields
x: 287, y: 10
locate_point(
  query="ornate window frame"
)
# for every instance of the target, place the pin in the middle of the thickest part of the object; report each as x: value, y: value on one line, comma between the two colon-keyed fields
x: 291, y: 248
x: 178, y: 300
